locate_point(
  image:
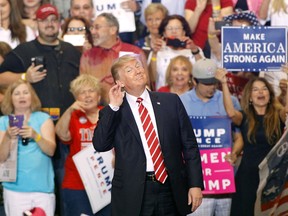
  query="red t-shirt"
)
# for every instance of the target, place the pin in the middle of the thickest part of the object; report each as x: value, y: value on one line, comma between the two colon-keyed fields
x: 200, y: 35
x: 81, y: 130
x: 164, y: 89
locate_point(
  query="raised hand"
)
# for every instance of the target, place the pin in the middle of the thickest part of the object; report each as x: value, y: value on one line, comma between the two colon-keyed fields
x: 116, y: 94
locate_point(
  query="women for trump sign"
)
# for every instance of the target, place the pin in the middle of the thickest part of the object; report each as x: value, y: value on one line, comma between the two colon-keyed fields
x: 214, y: 140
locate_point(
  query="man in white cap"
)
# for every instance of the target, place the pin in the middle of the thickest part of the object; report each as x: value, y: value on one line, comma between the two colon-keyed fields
x: 206, y: 100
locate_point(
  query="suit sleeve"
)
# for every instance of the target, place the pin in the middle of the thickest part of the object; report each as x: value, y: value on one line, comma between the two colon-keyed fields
x: 190, y: 148
x: 104, y: 133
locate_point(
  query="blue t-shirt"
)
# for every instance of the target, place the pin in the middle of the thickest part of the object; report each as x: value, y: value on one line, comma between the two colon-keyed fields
x: 214, y: 107
x: 34, y: 168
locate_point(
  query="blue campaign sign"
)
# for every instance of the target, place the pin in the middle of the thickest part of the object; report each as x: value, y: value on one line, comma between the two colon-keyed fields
x: 254, y: 48
x: 212, y: 132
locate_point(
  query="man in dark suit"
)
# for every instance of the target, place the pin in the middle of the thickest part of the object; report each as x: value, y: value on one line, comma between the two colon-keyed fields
x: 137, y: 187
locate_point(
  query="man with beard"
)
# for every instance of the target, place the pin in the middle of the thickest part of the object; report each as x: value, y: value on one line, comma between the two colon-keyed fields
x: 107, y: 47
x: 49, y: 65
x: 58, y: 63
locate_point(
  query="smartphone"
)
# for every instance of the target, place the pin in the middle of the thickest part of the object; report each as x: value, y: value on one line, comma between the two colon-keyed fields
x: 75, y: 40
x: 220, y: 24
x: 39, y: 60
x: 175, y: 43
x: 16, y: 120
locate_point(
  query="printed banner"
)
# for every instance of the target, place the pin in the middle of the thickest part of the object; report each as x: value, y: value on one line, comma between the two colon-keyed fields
x: 254, y: 49
x: 8, y: 169
x: 126, y: 19
x: 235, y: 84
x: 213, y: 134
x: 272, y: 193
x: 96, y: 172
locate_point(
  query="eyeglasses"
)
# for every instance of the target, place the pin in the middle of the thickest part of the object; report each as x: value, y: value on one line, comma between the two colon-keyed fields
x: 72, y: 29
x: 170, y: 28
x: 97, y: 27
x: 46, y: 21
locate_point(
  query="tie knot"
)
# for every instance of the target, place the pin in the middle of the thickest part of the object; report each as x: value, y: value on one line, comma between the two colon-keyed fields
x: 139, y: 100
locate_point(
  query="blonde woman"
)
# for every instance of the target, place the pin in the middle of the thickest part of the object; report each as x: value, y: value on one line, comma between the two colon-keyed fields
x: 34, y: 186
x: 274, y: 10
x: 178, y: 76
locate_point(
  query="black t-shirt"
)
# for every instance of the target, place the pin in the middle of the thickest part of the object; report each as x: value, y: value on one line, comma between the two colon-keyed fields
x: 62, y: 65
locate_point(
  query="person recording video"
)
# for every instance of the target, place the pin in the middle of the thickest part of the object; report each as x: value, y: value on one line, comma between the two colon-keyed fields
x: 175, y: 39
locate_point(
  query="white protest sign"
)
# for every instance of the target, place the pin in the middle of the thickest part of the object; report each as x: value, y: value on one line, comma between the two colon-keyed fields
x: 96, y: 172
x: 125, y: 18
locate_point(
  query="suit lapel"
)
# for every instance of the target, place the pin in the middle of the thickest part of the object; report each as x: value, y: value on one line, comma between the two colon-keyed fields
x: 158, y: 112
x: 129, y: 118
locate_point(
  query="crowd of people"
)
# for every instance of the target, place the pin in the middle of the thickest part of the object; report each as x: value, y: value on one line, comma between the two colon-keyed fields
x: 69, y: 68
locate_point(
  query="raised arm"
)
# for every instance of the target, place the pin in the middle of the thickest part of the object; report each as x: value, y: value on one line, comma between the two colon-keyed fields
x: 192, y: 17
x: 213, y: 38
x: 62, y: 126
x: 263, y: 12
x: 235, y: 115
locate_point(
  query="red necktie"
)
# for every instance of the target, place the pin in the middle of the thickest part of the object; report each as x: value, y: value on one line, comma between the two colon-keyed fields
x: 153, y: 143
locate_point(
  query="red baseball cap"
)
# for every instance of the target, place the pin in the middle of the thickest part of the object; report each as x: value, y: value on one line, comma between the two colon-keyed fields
x: 45, y: 10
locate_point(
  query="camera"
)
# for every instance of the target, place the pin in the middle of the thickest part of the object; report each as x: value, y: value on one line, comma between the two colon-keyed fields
x: 38, y: 60
x: 220, y: 24
x: 175, y: 43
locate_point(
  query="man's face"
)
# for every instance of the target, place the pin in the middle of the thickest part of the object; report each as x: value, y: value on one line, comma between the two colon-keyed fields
x: 205, y: 91
x: 82, y: 8
x: 101, y: 31
x: 133, y: 76
x: 49, y: 28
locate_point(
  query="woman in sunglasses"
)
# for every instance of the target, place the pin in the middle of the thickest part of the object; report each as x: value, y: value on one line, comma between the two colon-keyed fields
x: 74, y: 28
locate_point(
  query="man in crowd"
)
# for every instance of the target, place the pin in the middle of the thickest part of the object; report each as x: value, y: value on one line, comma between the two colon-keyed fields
x: 107, y: 47
x: 157, y: 161
x: 59, y: 63
x: 205, y: 100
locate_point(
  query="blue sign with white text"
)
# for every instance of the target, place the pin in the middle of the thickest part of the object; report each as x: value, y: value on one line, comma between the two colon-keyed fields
x: 254, y: 48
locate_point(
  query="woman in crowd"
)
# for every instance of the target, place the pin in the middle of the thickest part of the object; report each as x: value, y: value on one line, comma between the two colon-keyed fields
x: 178, y: 76
x: 175, y: 40
x: 28, y: 10
x: 198, y: 12
x: 4, y: 50
x: 81, y: 116
x: 277, y: 12
x: 154, y: 14
x: 261, y: 122
x: 12, y: 30
x: 78, y: 26
x: 35, y: 141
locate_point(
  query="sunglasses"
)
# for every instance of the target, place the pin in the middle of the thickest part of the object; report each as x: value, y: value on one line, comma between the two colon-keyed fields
x: 72, y: 29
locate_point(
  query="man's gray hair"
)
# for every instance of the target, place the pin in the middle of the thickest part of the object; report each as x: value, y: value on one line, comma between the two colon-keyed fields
x: 111, y: 20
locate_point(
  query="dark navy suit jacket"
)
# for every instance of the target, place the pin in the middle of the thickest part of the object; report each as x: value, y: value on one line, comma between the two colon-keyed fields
x: 118, y: 129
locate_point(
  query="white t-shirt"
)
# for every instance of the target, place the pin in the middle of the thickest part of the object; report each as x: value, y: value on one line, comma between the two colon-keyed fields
x: 163, y: 59
x: 278, y: 18
x: 6, y: 36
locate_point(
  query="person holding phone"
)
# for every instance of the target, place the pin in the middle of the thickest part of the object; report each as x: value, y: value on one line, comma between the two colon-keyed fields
x: 34, y: 186
x: 175, y: 39
x: 76, y: 30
